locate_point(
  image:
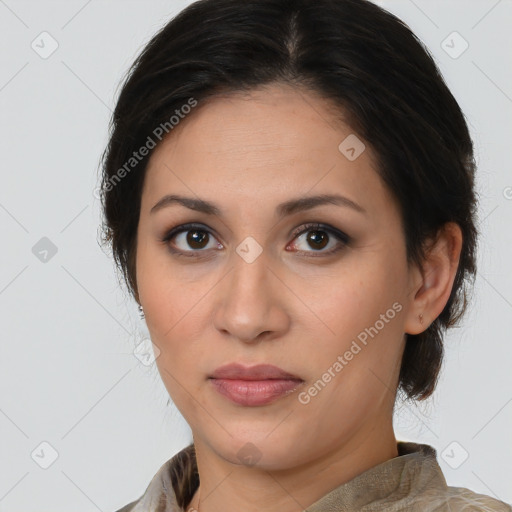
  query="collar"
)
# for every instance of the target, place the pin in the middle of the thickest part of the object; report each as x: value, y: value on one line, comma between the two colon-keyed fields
x: 397, y: 483
x: 413, y: 482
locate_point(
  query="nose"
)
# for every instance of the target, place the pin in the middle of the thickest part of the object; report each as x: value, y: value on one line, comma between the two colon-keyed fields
x: 250, y: 302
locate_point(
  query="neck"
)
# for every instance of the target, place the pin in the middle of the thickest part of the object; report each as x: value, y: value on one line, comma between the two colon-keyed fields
x: 233, y: 487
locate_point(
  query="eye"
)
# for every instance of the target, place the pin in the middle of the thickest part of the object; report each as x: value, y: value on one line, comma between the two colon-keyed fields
x: 190, y: 236
x: 318, y: 237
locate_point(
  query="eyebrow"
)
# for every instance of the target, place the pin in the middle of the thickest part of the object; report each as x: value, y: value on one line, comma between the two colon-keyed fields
x: 287, y: 208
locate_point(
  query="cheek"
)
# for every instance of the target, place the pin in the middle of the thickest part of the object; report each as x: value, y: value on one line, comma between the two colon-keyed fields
x: 176, y: 374
x: 179, y: 361
x: 360, y: 307
x: 355, y: 298
x: 160, y: 290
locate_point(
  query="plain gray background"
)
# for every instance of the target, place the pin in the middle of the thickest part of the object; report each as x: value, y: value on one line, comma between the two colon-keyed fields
x: 68, y: 374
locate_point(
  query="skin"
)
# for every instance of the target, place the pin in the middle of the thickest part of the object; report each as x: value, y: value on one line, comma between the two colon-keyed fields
x: 299, y: 311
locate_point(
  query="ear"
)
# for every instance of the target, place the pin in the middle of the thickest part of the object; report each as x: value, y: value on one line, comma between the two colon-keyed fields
x: 432, y: 284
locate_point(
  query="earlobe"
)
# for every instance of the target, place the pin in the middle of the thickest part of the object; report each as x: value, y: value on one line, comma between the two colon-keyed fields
x: 438, y: 272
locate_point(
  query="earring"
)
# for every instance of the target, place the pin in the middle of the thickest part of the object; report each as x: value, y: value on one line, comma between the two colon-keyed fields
x: 141, y: 312
x: 421, y: 319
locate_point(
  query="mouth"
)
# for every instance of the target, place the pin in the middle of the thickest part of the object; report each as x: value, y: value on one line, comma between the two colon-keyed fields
x: 253, y: 386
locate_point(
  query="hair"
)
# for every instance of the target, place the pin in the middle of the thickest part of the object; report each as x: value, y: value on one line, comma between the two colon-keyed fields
x: 364, y: 60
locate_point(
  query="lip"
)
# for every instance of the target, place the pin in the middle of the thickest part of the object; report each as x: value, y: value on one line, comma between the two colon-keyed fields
x: 257, y: 372
x: 255, y: 385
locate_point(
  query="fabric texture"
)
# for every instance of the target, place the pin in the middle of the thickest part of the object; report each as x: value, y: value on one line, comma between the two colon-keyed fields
x: 411, y: 482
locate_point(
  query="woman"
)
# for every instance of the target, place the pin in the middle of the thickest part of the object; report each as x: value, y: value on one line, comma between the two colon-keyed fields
x: 289, y: 193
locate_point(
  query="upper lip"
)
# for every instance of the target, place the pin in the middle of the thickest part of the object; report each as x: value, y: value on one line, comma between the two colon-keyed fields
x: 257, y: 372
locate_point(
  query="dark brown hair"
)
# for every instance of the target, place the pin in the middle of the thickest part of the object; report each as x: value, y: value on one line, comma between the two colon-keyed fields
x: 352, y: 52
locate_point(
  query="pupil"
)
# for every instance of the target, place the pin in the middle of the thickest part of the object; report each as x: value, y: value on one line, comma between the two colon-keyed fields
x: 316, y: 238
x: 194, y: 240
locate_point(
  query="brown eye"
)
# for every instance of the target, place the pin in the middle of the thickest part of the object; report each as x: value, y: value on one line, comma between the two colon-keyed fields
x: 315, y: 237
x: 190, y: 238
x: 196, y: 238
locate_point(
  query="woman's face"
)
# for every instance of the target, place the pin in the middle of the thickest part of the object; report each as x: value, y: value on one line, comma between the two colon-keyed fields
x: 252, y: 283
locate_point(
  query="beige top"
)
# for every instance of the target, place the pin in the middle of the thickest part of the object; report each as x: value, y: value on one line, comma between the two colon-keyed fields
x: 411, y: 482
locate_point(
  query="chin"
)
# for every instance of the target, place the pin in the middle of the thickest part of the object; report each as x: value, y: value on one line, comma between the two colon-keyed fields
x: 260, y: 451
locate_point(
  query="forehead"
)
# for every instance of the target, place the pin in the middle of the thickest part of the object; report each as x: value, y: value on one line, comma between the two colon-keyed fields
x: 276, y: 119
x: 268, y: 144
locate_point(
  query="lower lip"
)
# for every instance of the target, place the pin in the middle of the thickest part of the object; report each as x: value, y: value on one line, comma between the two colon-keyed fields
x: 254, y: 392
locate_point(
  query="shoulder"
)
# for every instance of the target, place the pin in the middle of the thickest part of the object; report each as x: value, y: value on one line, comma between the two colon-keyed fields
x: 425, y: 488
x: 467, y: 500
x: 128, y: 508
x: 177, y: 475
x: 459, y: 499
x: 159, y: 495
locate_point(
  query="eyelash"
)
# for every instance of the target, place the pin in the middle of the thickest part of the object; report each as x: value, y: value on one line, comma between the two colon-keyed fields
x: 342, y: 237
